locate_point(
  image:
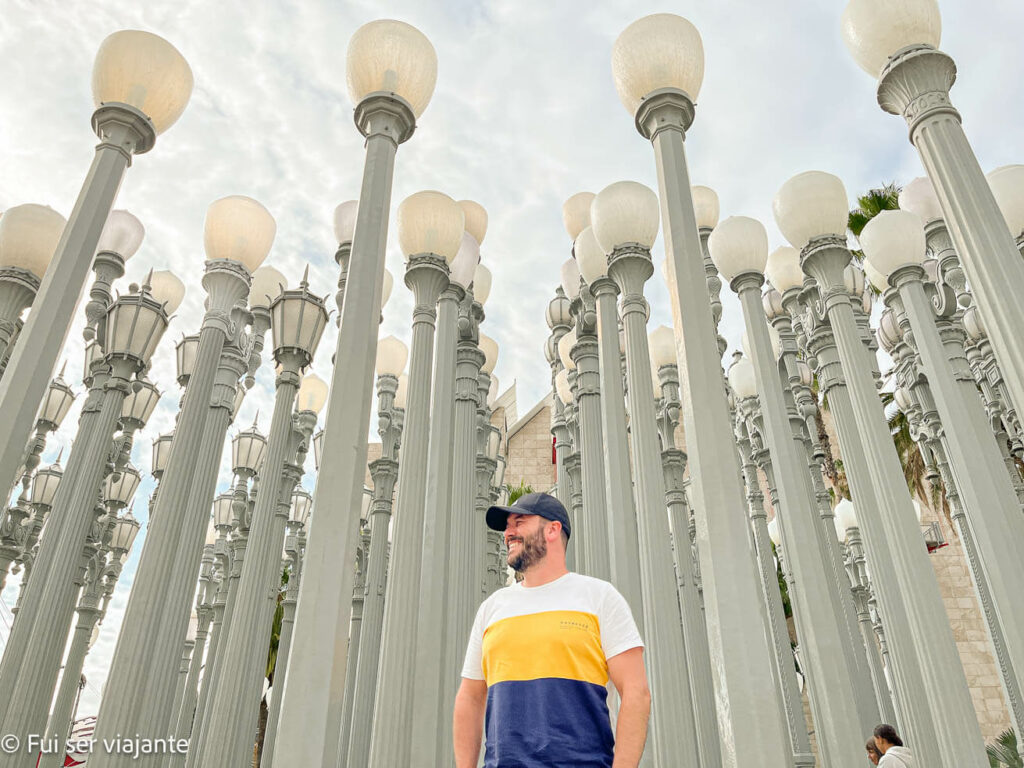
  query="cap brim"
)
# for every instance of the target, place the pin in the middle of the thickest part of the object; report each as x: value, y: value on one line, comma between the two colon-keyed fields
x: 497, y: 517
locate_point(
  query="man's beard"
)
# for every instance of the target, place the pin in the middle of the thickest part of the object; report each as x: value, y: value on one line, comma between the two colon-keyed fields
x: 533, y: 549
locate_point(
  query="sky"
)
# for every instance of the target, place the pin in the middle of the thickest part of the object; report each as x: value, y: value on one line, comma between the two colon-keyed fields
x: 524, y: 115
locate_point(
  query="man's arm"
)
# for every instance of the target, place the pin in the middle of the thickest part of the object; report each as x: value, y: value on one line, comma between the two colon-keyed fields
x: 626, y: 671
x: 468, y: 721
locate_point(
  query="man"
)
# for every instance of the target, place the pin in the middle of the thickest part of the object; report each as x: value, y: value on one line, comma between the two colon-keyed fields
x: 894, y: 754
x: 541, y: 653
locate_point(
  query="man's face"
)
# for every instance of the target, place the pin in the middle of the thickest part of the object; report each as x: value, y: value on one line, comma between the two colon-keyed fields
x: 524, y: 538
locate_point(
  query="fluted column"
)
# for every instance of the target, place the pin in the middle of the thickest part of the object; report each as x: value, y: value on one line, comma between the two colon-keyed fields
x: 430, y: 722
x: 31, y: 663
x: 463, y: 591
x: 915, y: 84
x: 592, y: 530
x: 427, y: 277
x: 946, y: 693
x: 146, y: 658
x: 840, y: 726
x: 235, y: 699
x: 384, y: 472
x: 354, y: 639
x: 748, y: 718
x: 624, y: 544
x: 306, y: 735
x: 675, y: 737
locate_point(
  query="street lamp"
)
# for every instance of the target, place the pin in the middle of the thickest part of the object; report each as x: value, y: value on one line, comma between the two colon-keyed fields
x: 739, y: 247
x: 237, y: 236
x: 429, y: 726
x: 430, y: 229
x: 392, y: 69
x: 133, y: 327
x: 121, y: 237
x: 28, y: 236
x: 141, y: 85
x: 665, y: 377
x: 658, y: 67
x: 298, y: 322
x: 625, y: 224
x: 894, y: 243
x: 623, y: 542
x: 354, y: 741
x: 811, y: 212
x: 898, y: 45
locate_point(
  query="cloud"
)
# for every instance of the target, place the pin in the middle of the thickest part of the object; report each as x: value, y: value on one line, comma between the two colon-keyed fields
x: 525, y: 114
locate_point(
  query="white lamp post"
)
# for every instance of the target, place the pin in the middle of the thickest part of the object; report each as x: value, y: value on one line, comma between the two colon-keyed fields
x: 429, y: 726
x: 739, y: 247
x: 430, y: 229
x: 894, y: 243
x: 140, y: 85
x: 624, y: 546
x: 392, y: 69
x: 897, y: 43
x: 298, y: 321
x: 625, y: 221
x: 237, y: 236
x: 134, y: 326
x: 811, y: 211
x: 392, y: 355
x: 658, y: 65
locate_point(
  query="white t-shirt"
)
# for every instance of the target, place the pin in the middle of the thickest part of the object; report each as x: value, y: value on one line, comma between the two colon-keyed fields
x: 543, y: 652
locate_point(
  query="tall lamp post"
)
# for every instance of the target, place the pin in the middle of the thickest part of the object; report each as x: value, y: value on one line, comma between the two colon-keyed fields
x: 237, y: 236
x: 141, y: 85
x: 298, y: 319
x: 559, y: 321
x: 392, y: 356
x: 429, y: 725
x: 894, y: 243
x: 392, y: 69
x: 739, y: 247
x: 658, y: 65
x: 133, y: 327
x: 914, y: 80
x: 625, y: 221
x: 811, y: 211
x: 430, y: 228
x: 29, y: 234
x: 624, y: 545
x: 698, y: 659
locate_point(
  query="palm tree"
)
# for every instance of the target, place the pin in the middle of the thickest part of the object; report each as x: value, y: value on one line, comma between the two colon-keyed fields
x: 275, y: 639
x: 885, y: 198
x: 1002, y: 753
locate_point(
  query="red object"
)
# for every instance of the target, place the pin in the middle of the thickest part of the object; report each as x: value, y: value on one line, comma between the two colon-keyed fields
x: 553, y: 454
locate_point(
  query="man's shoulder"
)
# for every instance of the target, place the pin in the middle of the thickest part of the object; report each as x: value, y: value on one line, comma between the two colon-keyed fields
x: 593, y: 585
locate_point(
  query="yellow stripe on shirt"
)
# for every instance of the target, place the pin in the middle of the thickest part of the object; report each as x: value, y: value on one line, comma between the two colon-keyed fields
x: 563, y: 644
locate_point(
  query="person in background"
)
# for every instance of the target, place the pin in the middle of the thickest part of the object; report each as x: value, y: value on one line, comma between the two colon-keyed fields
x: 873, y: 754
x: 894, y: 754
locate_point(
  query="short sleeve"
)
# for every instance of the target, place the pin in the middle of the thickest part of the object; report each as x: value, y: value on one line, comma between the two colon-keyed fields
x: 618, y: 630
x: 473, y: 667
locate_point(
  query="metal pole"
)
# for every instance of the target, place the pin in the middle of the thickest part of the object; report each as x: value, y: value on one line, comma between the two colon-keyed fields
x: 427, y: 276
x: 749, y: 716
x: 946, y: 692
x: 305, y: 735
x: 430, y: 722
x: 674, y: 722
x: 384, y: 472
x: 123, y: 132
x: 915, y: 84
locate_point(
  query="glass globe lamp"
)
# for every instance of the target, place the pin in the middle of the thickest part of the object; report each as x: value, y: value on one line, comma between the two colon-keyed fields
x: 739, y: 245
x: 811, y: 204
x: 658, y: 51
x: 893, y: 239
x: 874, y: 30
x: 565, y: 345
x: 490, y: 349
x: 476, y: 220
x: 29, y: 235
x: 312, y: 394
x: 576, y: 213
x: 919, y: 197
x: 392, y: 355
x: 562, y: 387
x: 625, y: 212
x: 167, y: 289
x: 662, y: 342
x: 392, y: 57
x: 570, y: 274
x: 122, y: 234
x: 144, y: 71
x: 482, y: 280
x: 783, y: 269
x: 591, y: 259
x: 240, y: 229
x: 463, y: 267
x: 345, y: 221
x: 430, y: 222
x: 705, y: 207
x: 267, y: 285
x: 741, y: 378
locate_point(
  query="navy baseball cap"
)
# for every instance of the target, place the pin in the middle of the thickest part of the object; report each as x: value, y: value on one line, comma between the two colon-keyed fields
x: 541, y: 504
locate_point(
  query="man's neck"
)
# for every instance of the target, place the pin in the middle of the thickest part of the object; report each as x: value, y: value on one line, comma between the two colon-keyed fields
x: 544, y: 573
